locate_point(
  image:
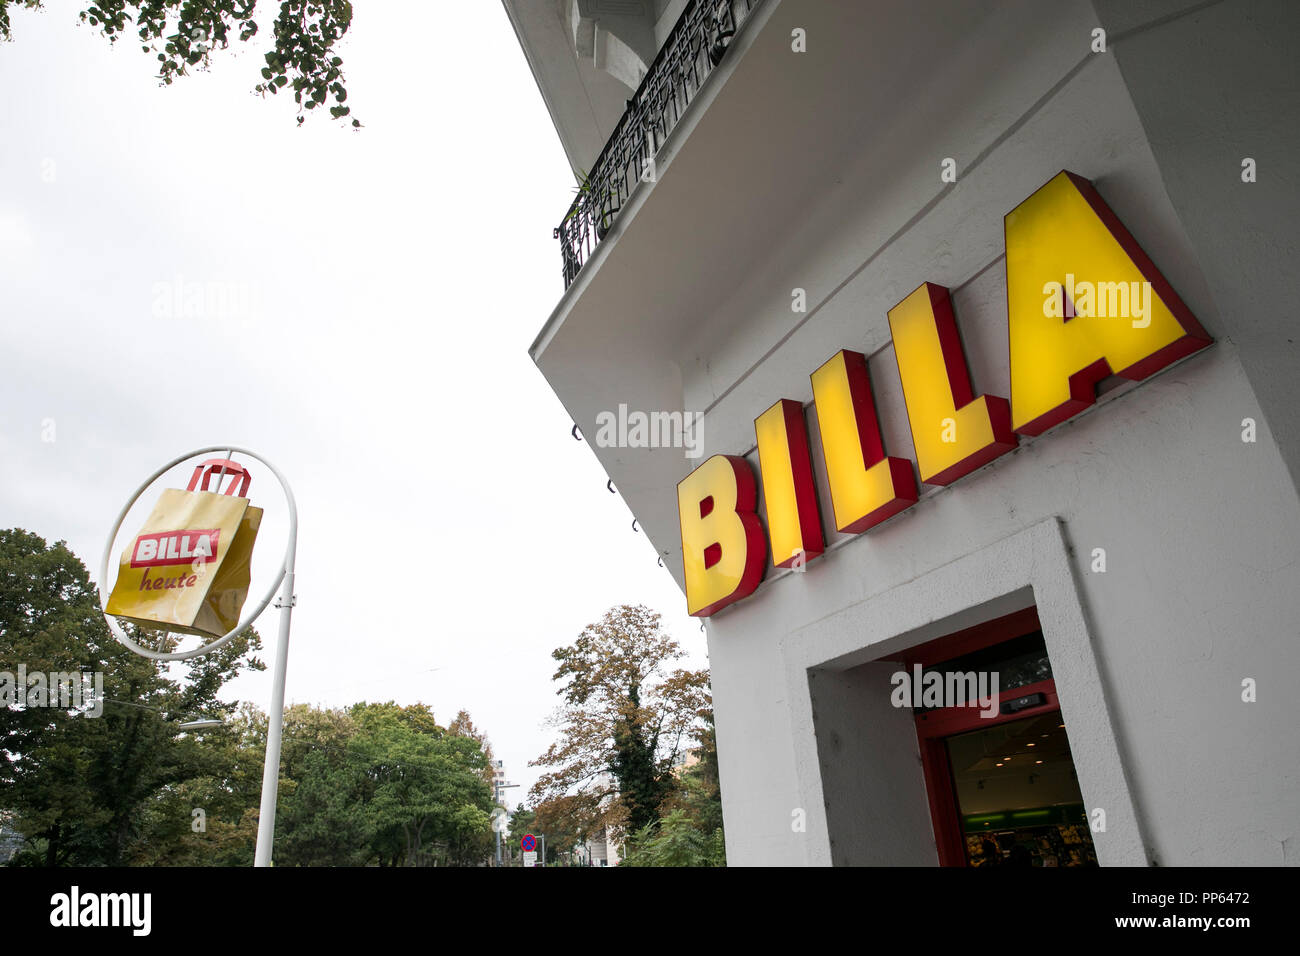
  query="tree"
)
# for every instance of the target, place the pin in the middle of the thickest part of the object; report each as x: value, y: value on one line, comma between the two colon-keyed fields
x: 381, y: 783
x: 624, y: 721
x: 322, y: 818
x: 463, y: 726
x: 522, y: 822
x: 699, y: 794
x: 564, y: 828
x: 101, y: 790
x: 560, y: 835
x: 429, y: 802
x: 676, y: 841
x: 182, y: 34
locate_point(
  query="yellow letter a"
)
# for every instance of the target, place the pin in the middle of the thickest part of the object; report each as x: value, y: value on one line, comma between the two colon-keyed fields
x: 1063, y: 235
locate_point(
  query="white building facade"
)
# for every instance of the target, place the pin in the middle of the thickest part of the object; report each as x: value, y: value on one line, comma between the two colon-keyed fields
x: 1144, y: 549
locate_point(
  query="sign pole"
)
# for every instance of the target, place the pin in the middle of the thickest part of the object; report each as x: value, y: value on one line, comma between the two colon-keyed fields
x: 275, y: 719
x: 496, y: 830
x: 285, y: 602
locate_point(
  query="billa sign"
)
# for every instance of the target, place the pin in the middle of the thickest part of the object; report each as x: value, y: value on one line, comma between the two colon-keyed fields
x: 1083, y: 302
x: 189, y: 567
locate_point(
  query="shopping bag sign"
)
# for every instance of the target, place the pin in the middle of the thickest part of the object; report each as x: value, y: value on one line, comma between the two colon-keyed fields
x: 212, y: 533
x: 183, y: 547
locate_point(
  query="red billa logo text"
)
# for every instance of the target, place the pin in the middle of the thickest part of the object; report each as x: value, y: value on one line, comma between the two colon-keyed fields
x: 174, y: 547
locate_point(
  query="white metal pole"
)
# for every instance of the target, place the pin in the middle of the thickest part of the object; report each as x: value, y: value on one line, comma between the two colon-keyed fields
x: 275, y: 719
x: 496, y: 797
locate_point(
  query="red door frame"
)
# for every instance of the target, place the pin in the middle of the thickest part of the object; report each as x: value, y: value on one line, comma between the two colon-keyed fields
x: 932, y: 727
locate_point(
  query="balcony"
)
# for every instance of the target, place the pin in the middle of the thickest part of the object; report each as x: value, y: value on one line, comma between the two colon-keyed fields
x: 694, y: 48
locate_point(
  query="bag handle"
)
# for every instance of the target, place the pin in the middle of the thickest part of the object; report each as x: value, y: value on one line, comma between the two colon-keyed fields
x: 220, y: 466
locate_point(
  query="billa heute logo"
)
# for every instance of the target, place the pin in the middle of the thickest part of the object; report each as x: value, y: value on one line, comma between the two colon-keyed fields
x: 174, y: 547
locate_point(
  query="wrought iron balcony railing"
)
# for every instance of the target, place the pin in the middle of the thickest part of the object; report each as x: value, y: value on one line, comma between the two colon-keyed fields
x: 696, y: 45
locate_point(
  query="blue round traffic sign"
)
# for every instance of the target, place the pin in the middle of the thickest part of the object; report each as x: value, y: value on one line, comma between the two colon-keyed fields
x: 529, y: 843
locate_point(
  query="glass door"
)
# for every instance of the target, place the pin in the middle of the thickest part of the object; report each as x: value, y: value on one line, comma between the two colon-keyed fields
x: 1017, y: 795
x: 1000, y: 778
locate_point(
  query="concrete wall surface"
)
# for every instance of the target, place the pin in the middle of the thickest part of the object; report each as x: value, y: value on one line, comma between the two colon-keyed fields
x: 1201, y: 530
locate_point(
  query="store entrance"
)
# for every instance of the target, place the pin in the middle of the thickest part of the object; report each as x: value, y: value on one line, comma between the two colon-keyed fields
x: 1002, y: 784
x: 1018, y: 799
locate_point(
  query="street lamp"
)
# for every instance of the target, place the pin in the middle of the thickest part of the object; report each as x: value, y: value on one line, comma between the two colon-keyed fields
x: 200, y: 724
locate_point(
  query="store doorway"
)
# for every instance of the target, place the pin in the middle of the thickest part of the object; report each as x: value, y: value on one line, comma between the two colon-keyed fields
x: 1001, y: 781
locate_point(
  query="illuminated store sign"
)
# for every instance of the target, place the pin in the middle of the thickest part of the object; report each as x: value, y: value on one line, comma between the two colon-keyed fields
x: 1083, y: 302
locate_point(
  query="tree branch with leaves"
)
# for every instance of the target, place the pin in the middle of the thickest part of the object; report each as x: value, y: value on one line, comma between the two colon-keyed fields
x: 182, y: 35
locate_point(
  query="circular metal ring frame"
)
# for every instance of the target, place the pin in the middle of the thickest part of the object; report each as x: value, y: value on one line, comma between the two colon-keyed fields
x: 248, y: 618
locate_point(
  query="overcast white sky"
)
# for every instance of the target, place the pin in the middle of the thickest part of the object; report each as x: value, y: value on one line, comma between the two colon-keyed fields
x: 452, y: 532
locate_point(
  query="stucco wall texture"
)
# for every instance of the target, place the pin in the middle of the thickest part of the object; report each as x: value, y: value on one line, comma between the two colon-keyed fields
x: 1201, y: 530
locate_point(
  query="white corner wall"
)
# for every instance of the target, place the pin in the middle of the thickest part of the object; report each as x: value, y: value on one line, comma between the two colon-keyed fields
x: 1201, y: 530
